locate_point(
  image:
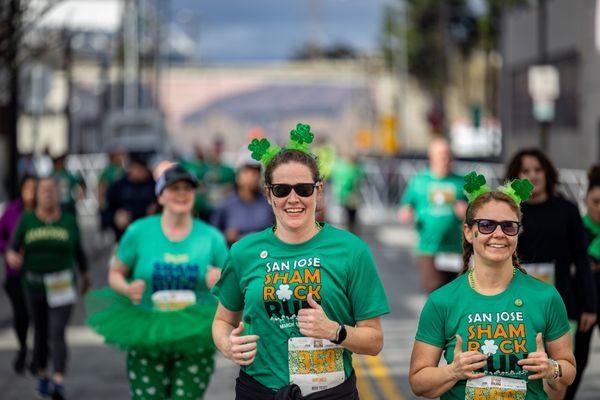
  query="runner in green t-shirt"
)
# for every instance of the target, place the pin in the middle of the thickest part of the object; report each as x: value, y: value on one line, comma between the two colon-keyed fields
x: 433, y: 199
x: 163, y: 270
x: 46, y: 245
x: 508, y: 336
x: 308, y: 294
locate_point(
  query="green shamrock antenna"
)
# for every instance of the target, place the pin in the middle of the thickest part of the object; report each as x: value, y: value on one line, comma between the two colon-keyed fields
x: 519, y: 190
x: 263, y: 151
x: 475, y: 186
x: 300, y: 138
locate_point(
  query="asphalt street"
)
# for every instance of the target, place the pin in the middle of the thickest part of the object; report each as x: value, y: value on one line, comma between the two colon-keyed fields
x: 97, y: 372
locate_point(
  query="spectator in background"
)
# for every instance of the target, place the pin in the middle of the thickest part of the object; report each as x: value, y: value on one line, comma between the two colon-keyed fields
x: 111, y: 173
x: 553, y: 242
x: 70, y: 187
x: 131, y: 197
x: 435, y: 201
x: 345, y: 178
x: 218, y: 179
x: 246, y: 210
x: 26, y: 166
x: 12, y: 284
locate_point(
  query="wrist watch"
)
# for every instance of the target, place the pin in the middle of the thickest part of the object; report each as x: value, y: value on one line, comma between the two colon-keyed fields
x: 341, y: 335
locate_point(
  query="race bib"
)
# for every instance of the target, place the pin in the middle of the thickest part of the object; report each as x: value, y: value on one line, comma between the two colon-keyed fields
x: 172, y: 300
x: 60, y: 288
x: 315, y: 364
x: 448, y: 262
x: 495, y: 388
x: 543, y: 271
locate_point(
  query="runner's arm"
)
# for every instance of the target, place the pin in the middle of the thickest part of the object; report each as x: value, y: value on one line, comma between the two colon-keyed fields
x: 224, y: 323
x: 425, y: 377
x: 561, y: 351
x: 117, y: 274
x: 365, y: 338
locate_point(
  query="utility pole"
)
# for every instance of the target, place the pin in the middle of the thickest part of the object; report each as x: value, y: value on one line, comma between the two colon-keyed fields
x: 542, y: 25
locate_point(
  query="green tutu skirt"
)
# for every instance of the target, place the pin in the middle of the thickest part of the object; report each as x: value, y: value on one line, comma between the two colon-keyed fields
x: 132, y: 327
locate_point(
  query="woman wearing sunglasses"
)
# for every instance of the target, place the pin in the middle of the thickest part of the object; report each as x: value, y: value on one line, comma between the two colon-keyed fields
x: 553, y: 245
x: 509, y: 333
x: 297, y: 299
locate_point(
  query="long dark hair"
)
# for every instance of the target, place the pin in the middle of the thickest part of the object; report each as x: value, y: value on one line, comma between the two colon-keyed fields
x: 593, y: 176
x: 474, y: 206
x: 515, y: 164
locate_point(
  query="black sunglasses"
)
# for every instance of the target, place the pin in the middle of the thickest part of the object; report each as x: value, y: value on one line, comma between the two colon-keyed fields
x: 488, y: 226
x: 301, y: 189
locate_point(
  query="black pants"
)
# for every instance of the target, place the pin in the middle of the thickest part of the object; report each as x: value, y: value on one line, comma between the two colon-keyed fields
x: 49, y: 325
x: 247, y: 388
x: 20, y: 319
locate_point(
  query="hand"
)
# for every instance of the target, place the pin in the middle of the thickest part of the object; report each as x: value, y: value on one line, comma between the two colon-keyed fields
x: 136, y: 290
x: 465, y: 364
x: 538, y: 362
x: 242, y: 349
x: 14, y: 259
x: 213, y: 275
x: 122, y: 219
x: 86, y: 283
x: 314, y: 323
x: 460, y: 209
x: 586, y: 321
x: 405, y: 215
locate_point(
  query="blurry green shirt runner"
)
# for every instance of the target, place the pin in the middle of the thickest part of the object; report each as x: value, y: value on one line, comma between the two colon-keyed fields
x: 269, y: 281
x: 167, y: 265
x: 433, y: 201
x: 345, y: 179
x: 111, y: 173
x: 48, y: 247
x: 503, y: 326
x: 67, y: 183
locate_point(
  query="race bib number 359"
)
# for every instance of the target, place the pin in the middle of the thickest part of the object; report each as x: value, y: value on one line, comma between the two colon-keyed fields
x: 495, y: 388
x: 315, y: 364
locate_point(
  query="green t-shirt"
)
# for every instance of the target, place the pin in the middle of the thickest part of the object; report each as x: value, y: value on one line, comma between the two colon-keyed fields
x: 269, y: 281
x: 111, y: 173
x: 433, y: 201
x: 345, y: 178
x: 503, y: 326
x: 67, y: 185
x: 47, y: 247
x: 167, y: 265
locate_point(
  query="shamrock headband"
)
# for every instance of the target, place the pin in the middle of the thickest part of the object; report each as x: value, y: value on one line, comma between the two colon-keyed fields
x: 300, y: 139
x: 519, y: 189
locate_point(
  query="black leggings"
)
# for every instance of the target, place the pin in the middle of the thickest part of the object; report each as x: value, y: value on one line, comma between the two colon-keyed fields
x: 49, y: 325
x: 20, y: 317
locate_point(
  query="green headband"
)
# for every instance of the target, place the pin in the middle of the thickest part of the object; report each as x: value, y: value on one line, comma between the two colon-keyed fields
x: 475, y: 185
x: 300, y: 139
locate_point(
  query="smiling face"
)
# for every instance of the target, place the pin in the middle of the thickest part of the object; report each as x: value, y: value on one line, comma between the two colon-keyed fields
x: 592, y: 202
x: 496, y: 247
x: 293, y: 212
x: 531, y: 169
x: 178, y: 198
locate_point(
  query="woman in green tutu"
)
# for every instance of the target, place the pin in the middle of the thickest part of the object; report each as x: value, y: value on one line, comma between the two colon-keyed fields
x: 158, y: 307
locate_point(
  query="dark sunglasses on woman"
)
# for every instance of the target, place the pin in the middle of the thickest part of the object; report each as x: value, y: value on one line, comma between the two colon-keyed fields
x: 284, y: 189
x: 488, y: 226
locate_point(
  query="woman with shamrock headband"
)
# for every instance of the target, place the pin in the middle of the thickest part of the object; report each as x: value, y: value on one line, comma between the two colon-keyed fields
x: 158, y: 307
x: 553, y: 247
x: 509, y: 334
x: 297, y: 299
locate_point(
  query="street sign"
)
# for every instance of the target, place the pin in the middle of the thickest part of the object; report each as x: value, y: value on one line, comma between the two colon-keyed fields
x: 543, y: 82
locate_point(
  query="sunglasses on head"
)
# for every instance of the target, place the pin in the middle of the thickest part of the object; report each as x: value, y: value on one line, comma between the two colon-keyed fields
x: 284, y: 189
x: 488, y: 226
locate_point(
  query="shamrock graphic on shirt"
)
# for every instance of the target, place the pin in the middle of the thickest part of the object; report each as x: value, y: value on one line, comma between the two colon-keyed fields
x: 284, y: 293
x: 489, y: 348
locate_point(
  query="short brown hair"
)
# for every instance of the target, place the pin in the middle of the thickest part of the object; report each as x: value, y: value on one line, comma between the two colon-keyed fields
x: 292, y: 155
